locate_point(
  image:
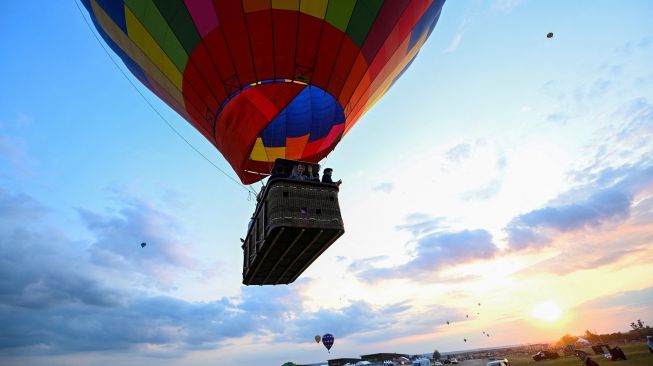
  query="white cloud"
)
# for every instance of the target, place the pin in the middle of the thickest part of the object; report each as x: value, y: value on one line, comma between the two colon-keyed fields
x: 455, y: 42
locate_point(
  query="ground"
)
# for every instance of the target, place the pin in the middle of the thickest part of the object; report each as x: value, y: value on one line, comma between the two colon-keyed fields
x: 637, y: 354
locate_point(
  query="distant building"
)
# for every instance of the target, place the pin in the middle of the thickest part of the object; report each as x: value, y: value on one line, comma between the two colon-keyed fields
x: 343, y: 361
x: 380, y: 357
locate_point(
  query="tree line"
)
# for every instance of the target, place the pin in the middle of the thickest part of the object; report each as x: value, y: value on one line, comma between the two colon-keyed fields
x: 638, y: 331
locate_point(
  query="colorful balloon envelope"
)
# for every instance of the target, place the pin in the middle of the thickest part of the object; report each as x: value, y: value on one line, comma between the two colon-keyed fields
x: 327, y: 341
x: 267, y: 79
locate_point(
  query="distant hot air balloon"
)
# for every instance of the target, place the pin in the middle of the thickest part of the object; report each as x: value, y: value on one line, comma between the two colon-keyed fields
x: 143, y: 245
x: 487, y: 334
x: 267, y: 79
x: 467, y: 315
x: 465, y: 339
x: 447, y: 322
x: 317, y: 339
x: 327, y: 341
x: 483, y: 332
x: 549, y: 35
x: 479, y: 304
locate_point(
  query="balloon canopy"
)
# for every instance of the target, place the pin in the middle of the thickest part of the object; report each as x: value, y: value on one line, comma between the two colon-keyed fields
x: 327, y: 341
x: 267, y: 79
x: 317, y: 339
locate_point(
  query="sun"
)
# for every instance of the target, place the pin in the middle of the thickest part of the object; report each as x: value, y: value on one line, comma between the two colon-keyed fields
x: 547, y: 311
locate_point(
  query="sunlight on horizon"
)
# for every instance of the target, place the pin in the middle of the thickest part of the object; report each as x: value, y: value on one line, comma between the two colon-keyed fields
x: 547, y: 311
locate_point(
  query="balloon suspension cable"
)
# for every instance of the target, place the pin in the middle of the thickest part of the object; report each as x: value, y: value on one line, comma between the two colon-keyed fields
x: 250, y: 190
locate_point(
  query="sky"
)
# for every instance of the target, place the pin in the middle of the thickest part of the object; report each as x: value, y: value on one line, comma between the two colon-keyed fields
x: 504, y: 169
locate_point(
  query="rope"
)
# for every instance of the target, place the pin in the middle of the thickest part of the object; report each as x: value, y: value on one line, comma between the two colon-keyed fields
x: 250, y: 190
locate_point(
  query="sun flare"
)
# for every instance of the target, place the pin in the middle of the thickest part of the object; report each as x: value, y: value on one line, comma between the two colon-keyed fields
x: 547, y: 311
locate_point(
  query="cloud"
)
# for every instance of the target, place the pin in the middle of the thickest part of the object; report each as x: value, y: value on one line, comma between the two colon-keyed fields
x: 632, y: 299
x: 420, y: 223
x: 358, y: 317
x: 484, y: 193
x: 459, y: 153
x: 13, y: 150
x: 505, y: 5
x: 59, y: 295
x: 118, y: 237
x: 531, y: 229
x: 455, y: 42
x: 605, y: 188
x: 436, y: 251
x: 384, y: 187
x: 558, y: 117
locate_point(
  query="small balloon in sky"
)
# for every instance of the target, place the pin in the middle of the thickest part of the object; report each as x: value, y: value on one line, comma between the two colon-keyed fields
x: 465, y: 339
x: 143, y: 245
x: 549, y: 35
x: 467, y: 315
x: 327, y: 340
x: 447, y: 322
x: 318, y: 339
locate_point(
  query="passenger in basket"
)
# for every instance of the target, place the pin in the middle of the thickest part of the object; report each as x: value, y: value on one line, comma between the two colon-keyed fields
x: 326, y: 177
x: 314, y: 175
x: 298, y: 173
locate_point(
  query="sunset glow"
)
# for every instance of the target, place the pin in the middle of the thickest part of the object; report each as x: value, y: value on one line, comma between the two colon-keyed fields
x: 547, y: 311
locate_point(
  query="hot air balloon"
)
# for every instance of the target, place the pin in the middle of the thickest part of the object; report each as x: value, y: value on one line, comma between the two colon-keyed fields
x: 265, y: 81
x: 317, y: 339
x: 549, y: 35
x: 143, y: 245
x: 447, y: 322
x: 465, y: 339
x: 327, y: 341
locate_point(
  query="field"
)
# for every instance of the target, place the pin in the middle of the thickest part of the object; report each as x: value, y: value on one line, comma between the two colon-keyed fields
x: 637, y: 354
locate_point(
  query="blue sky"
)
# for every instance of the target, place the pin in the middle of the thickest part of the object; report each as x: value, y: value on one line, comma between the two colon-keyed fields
x: 501, y: 162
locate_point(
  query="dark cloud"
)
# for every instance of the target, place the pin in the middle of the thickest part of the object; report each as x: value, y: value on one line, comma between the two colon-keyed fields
x: 383, y: 187
x: 436, y: 251
x: 530, y: 229
x: 19, y: 208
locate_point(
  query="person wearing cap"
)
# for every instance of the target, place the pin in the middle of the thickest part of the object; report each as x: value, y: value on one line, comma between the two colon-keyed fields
x: 326, y: 177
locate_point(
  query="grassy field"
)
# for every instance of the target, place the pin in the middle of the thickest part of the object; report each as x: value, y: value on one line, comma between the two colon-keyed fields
x: 637, y: 353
